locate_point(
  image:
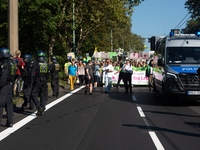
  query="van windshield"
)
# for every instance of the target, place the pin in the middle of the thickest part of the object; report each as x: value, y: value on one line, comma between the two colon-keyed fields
x: 183, y: 55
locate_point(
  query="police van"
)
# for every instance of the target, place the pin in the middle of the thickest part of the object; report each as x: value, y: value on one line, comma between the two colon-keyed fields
x: 175, y: 73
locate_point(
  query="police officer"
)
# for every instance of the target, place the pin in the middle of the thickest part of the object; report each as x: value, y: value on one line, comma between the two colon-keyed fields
x: 28, y: 77
x: 40, y: 82
x: 7, y: 75
x: 54, y: 69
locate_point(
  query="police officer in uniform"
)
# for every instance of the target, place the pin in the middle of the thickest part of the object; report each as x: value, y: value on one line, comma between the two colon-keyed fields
x: 28, y: 77
x: 40, y: 82
x: 54, y: 69
x: 7, y: 75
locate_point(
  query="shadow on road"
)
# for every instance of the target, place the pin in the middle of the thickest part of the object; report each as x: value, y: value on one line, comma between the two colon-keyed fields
x: 163, y: 129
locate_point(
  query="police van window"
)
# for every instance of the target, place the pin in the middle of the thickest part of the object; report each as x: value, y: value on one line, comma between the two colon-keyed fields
x: 183, y: 55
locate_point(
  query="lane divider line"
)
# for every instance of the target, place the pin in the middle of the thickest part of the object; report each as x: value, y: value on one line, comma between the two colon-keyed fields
x: 152, y: 134
x: 156, y: 140
x: 29, y: 118
x: 140, y: 111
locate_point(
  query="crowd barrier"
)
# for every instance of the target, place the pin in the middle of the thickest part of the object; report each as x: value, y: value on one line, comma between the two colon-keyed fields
x: 138, y: 78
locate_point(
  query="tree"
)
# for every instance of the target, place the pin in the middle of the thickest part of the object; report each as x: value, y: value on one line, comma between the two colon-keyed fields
x: 193, y: 7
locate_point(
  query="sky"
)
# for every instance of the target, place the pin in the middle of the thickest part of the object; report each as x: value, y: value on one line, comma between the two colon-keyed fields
x: 158, y: 17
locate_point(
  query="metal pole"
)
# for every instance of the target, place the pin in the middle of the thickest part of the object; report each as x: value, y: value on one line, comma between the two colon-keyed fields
x: 123, y: 42
x: 111, y: 42
x: 13, y: 29
x: 74, y: 42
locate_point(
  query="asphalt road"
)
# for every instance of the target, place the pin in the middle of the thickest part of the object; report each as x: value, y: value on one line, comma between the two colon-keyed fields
x: 115, y: 121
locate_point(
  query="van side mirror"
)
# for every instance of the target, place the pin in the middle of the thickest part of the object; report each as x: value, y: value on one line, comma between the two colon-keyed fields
x: 160, y: 62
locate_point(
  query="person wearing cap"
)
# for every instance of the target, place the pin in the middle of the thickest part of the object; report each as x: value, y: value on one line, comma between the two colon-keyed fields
x: 128, y: 71
x: 96, y: 74
x: 72, y: 70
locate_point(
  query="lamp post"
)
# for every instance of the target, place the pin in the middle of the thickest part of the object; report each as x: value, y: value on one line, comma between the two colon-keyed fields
x: 111, y: 41
x: 13, y: 29
x: 74, y: 42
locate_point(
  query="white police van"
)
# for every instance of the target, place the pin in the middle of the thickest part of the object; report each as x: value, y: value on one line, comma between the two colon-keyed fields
x: 176, y: 72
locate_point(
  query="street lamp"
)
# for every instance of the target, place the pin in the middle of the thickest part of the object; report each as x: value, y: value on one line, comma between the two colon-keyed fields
x: 74, y: 46
x: 111, y: 41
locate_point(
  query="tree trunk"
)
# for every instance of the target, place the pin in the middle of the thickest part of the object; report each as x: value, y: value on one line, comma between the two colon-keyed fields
x: 51, y: 46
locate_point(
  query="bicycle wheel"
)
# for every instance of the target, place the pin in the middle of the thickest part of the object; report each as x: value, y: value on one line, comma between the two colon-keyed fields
x: 15, y: 90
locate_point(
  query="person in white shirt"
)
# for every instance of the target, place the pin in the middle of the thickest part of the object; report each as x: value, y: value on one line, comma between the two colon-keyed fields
x: 128, y: 70
x: 108, y: 69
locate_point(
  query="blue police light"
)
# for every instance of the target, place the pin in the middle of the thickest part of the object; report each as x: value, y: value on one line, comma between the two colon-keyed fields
x: 171, y: 34
x: 198, y: 33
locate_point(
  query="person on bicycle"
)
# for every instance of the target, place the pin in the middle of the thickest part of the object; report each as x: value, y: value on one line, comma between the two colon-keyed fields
x: 54, y: 69
x: 28, y: 76
x: 20, y: 65
x: 7, y: 75
x: 40, y: 86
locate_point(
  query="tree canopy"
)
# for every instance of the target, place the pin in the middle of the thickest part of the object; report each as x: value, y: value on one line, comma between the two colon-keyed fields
x: 192, y: 25
x: 47, y: 25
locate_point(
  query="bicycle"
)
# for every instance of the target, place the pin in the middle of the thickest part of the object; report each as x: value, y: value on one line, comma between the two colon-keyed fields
x: 18, y: 88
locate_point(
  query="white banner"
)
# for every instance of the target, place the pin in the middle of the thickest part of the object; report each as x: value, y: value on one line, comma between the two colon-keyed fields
x: 138, y: 78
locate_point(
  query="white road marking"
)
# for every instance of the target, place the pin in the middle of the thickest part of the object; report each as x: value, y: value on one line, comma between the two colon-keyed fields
x: 152, y: 134
x: 156, y: 140
x: 140, y: 111
x: 24, y: 121
x: 134, y: 98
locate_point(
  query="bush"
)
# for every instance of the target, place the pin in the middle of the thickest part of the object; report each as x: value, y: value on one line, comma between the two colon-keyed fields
x: 62, y: 75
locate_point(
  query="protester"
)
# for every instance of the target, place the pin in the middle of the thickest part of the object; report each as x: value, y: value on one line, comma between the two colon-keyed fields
x: 89, y: 77
x: 81, y: 72
x: 108, y: 69
x: 128, y: 70
x: 134, y: 64
x: 67, y: 64
x: 20, y: 65
x: 97, y: 74
x: 121, y: 73
x: 72, y: 71
x: 149, y: 73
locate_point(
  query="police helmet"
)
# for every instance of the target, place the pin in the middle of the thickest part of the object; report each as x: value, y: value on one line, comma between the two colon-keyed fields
x: 26, y: 58
x: 30, y: 57
x: 40, y: 56
x: 53, y: 58
x: 5, y: 53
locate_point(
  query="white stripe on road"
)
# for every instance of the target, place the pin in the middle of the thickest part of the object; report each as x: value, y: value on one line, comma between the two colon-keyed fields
x: 24, y: 121
x: 140, y: 111
x: 156, y: 140
x: 152, y: 134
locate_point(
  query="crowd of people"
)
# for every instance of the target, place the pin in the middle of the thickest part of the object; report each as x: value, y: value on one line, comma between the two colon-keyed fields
x: 36, y: 73
x: 94, y: 73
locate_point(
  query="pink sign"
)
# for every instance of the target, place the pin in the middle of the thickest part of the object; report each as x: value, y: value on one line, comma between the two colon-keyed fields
x: 133, y: 56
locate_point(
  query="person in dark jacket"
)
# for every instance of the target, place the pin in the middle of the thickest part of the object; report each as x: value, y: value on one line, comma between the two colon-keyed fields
x: 54, y: 70
x: 7, y: 75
